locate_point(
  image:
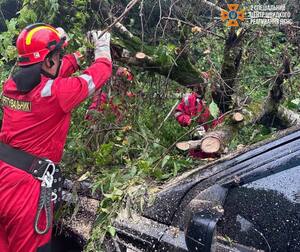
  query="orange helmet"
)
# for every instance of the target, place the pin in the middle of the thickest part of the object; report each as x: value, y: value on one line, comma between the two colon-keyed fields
x: 36, y: 41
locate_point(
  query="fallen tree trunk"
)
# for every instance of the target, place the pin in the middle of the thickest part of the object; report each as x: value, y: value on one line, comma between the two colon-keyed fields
x: 287, y: 116
x: 182, y: 72
x: 215, y: 141
x: 130, y: 49
x: 270, y: 107
x: 225, y: 88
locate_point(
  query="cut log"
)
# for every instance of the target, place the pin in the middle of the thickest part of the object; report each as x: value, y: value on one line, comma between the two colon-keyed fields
x: 188, y: 145
x: 211, y: 144
x: 140, y: 56
x: 237, y: 117
x: 215, y: 141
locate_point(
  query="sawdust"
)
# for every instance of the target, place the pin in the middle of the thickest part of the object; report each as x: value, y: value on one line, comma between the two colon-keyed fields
x: 81, y: 223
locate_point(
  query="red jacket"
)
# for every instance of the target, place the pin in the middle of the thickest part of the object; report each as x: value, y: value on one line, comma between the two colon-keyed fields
x: 99, y: 103
x: 192, y: 106
x: 38, y: 121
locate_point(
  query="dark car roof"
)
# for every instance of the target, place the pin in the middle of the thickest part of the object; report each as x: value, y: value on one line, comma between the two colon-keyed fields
x: 279, y: 153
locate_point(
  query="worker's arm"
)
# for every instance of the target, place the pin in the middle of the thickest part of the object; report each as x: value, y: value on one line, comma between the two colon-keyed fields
x: 71, y: 91
x: 69, y: 65
x: 181, y: 113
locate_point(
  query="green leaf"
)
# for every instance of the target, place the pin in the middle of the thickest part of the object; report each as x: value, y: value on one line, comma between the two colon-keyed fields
x: 165, y: 160
x: 84, y: 176
x: 296, y: 102
x: 214, y: 110
x: 111, y: 230
x: 117, y: 192
x: 176, y: 169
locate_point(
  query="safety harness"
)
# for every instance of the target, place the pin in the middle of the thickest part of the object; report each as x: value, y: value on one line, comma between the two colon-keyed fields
x: 43, y: 170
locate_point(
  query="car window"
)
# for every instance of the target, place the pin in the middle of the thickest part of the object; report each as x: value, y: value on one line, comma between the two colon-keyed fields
x: 265, y: 214
x: 285, y: 182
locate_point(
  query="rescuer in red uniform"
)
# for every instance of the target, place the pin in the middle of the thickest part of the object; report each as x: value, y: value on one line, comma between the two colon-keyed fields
x: 192, y: 107
x: 37, y: 104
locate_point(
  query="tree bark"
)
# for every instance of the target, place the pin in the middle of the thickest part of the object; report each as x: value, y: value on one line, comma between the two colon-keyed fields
x: 182, y: 72
x: 214, y: 142
x: 269, y: 113
x: 222, y: 93
x: 288, y: 117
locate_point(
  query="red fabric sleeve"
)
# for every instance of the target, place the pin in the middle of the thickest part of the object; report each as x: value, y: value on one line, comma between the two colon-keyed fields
x: 71, y: 91
x: 181, y: 115
x: 98, y: 101
x: 68, y: 66
x: 184, y: 120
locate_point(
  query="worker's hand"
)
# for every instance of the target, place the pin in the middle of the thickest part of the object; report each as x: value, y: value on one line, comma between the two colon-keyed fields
x: 102, y: 45
x: 199, y: 132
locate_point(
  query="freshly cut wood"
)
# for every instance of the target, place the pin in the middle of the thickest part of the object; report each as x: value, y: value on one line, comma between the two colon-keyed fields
x: 188, y: 145
x: 140, y: 55
x: 215, y: 141
x: 237, y: 117
x: 211, y: 144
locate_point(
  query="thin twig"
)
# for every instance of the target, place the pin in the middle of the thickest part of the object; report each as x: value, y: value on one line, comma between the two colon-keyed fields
x: 158, y: 23
x: 193, y: 25
x: 142, y: 23
x: 170, y: 13
x: 129, y: 6
x: 168, y: 115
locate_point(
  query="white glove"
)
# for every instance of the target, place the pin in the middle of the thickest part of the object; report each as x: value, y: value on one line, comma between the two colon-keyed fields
x: 62, y: 33
x: 199, y: 132
x: 102, y: 45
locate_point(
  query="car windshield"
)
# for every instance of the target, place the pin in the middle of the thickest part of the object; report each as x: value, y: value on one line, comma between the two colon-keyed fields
x: 265, y: 214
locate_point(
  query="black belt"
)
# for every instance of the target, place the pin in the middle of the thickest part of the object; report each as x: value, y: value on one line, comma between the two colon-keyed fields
x: 42, y: 169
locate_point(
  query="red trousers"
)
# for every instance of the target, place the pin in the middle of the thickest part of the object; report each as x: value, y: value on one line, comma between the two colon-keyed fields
x: 19, y: 195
